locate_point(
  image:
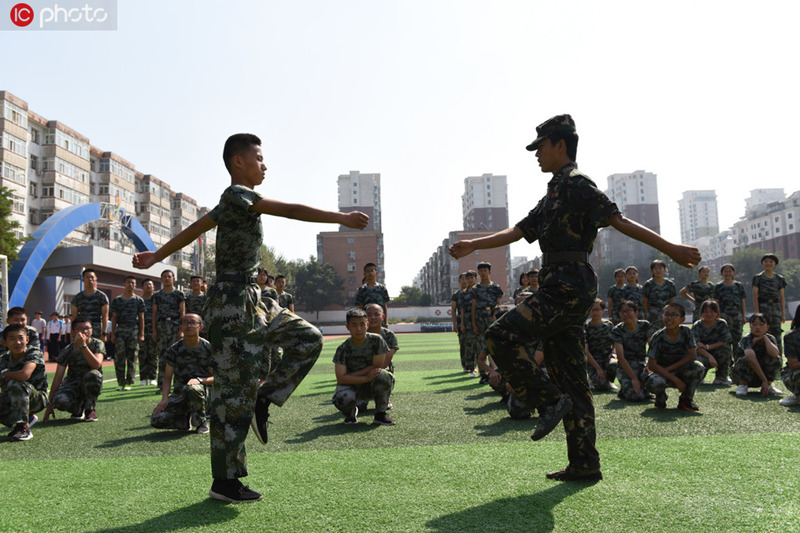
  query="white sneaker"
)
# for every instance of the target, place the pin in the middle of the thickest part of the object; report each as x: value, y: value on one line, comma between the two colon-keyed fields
x: 741, y: 390
x: 789, y: 401
x: 613, y: 387
x: 153, y: 382
x: 722, y: 381
x: 774, y: 390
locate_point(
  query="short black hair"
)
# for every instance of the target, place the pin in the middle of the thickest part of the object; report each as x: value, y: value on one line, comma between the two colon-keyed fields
x: 236, y: 144
x: 279, y: 276
x: 145, y: 280
x: 129, y: 277
x: 619, y: 271
x: 14, y: 311
x: 167, y: 271
x: 714, y: 306
x: 485, y: 265
x: 657, y: 262
x: 601, y: 302
x: 758, y: 316
x: 14, y: 327
x: 88, y: 271
x: 80, y: 319
x: 370, y: 265
x: 678, y: 307
x: 196, y: 276
x: 770, y: 256
x: 355, y: 313
x: 726, y: 265
x: 570, y: 139
x: 629, y: 303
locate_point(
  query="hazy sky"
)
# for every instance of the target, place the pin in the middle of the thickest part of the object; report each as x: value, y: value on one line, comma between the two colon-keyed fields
x: 426, y: 93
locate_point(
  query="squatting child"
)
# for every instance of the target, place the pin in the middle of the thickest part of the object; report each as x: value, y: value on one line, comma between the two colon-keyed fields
x: 757, y: 359
x: 23, y: 381
x: 713, y: 339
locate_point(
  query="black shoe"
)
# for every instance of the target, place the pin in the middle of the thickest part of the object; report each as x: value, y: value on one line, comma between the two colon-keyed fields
x: 567, y: 475
x: 687, y: 405
x: 661, y: 402
x: 260, y: 419
x: 484, y: 380
x: 382, y: 419
x: 202, y: 428
x: 352, y: 418
x: 232, y: 491
x: 550, y: 416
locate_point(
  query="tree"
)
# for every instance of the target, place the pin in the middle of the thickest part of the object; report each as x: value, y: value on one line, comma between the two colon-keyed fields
x: 790, y: 269
x: 275, y: 264
x: 9, y: 243
x: 412, y: 296
x: 317, y: 285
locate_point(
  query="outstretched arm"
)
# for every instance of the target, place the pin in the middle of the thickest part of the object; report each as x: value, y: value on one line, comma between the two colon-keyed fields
x: 147, y: 259
x: 353, y: 219
x: 501, y: 238
x: 688, y: 256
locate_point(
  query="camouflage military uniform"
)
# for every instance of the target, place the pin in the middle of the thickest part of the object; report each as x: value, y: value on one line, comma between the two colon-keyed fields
x: 472, y: 345
x: 658, y: 296
x: 240, y: 325
x: 634, y: 294
x: 148, y: 356
x: 791, y: 378
x: 461, y: 348
x: 168, y: 318
x: 82, y: 385
x: 700, y: 292
x: 126, y: 336
x: 719, y: 332
x: 33, y: 340
x: 666, y: 352
x: 285, y: 300
x: 600, y: 345
x: 616, y: 295
x: 517, y: 408
x: 372, y: 295
x: 195, y: 303
x: 566, y: 219
x: 391, y: 341
x: 91, y: 307
x: 273, y: 354
x: 20, y: 399
x: 730, y: 299
x: 769, y: 302
x: 186, y: 401
x: 355, y: 359
x: 743, y: 372
x: 486, y: 297
x: 634, y: 350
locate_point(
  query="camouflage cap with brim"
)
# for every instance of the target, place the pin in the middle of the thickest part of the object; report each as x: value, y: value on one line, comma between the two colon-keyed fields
x: 557, y: 124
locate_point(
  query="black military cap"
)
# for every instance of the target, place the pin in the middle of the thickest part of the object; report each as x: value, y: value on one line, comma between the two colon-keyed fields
x: 557, y: 124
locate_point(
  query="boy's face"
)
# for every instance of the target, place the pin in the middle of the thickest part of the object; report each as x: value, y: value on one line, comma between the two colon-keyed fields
x: 147, y: 287
x: 628, y: 314
x: 196, y: 284
x: 21, y: 318
x: 484, y: 273
x: 90, y: 281
x: 262, y: 278
x: 167, y: 278
x: 597, y: 312
x: 672, y: 318
x: 727, y: 273
x: 548, y: 156
x: 130, y: 285
x: 471, y: 279
x: 371, y: 273
x: 191, y: 326
x: 769, y: 264
x: 16, y: 342
x: 374, y: 316
x: 619, y: 277
x: 280, y: 284
x: 357, y: 326
x: 249, y: 167
x: 658, y: 271
x: 632, y: 276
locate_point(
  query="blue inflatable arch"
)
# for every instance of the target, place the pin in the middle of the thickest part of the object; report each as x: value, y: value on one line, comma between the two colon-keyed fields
x: 35, y: 252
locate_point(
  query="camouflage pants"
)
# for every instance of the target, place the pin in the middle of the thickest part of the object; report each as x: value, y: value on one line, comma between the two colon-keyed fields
x: 724, y: 359
x: 773, y: 313
x: 273, y: 359
x: 743, y: 373
x: 462, y: 351
x: 484, y: 319
x: 78, y: 396
x: 18, y: 401
x: 126, y: 347
x: 691, y: 373
x: 240, y: 328
x: 791, y: 378
x: 735, y: 325
x: 626, y: 383
x: 346, y: 396
x: 472, y: 349
x: 148, y: 356
x: 166, y: 336
x: 181, y: 406
x: 555, y: 314
x: 517, y: 408
x: 609, y: 365
x: 656, y: 319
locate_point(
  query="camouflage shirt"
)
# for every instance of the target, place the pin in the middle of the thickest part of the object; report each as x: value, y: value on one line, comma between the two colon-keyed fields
x: 487, y: 295
x: 148, y: 312
x: 239, y: 231
x: 168, y: 304
x: 719, y: 332
x: 465, y: 304
x: 769, y: 289
x: 269, y: 292
x: 761, y: 349
x: 568, y: 216
x: 188, y: 362
x: 73, y: 359
x: 791, y: 344
x: 195, y: 303
x: 372, y: 295
x: 390, y: 338
x: 667, y: 351
x: 454, y: 298
x: 32, y: 355
x: 285, y: 300
x: 635, y: 294
x: 658, y: 295
x: 598, y: 338
x: 730, y: 297
x: 700, y: 292
x: 91, y: 307
x: 616, y: 295
x: 358, y: 358
x: 127, y: 310
x: 634, y: 343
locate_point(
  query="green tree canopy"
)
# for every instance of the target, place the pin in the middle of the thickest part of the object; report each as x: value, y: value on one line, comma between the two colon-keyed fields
x: 317, y: 284
x: 9, y: 243
x: 412, y: 296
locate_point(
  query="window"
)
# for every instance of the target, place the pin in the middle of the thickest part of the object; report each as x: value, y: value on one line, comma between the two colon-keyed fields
x: 351, y: 254
x: 13, y: 173
x: 36, y: 136
x: 18, y: 202
x: 351, y: 267
x: 15, y: 114
x: 14, y: 143
x: 351, y: 240
x: 34, y: 162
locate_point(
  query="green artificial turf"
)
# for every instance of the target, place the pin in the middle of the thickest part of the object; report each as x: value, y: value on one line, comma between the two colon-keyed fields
x: 454, y: 462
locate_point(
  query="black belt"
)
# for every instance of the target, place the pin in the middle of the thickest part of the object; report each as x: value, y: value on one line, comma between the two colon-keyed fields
x: 564, y: 257
x: 238, y: 278
x: 769, y: 301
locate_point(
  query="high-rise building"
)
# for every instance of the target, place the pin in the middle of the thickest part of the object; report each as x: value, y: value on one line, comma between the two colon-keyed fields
x: 772, y: 227
x: 763, y: 196
x: 485, y: 203
x: 698, y: 214
x: 349, y: 250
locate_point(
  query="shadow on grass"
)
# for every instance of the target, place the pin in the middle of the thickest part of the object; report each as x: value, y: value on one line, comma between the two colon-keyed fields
x: 617, y: 404
x: 198, y: 515
x: 506, y: 425
x: 155, y: 436
x: 528, y: 513
x: 136, y: 394
x: 668, y: 415
x: 334, y: 429
x: 485, y: 408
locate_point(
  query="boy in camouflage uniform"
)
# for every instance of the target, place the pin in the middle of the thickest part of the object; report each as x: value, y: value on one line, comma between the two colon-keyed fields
x: 23, y: 381
x: 239, y: 323
x: 713, y: 339
x: 273, y: 354
x: 92, y: 304
x: 455, y: 315
x: 375, y: 321
x: 565, y: 222
x: 730, y: 296
x: 169, y: 305
x: 188, y: 370
x: 699, y: 291
x: 285, y: 299
x: 791, y: 372
x: 757, y: 359
x: 372, y: 292
x: 657, y: 292
x: 148, y: 355
x: 79, y: 391
x: 127, y: 331
x: 600, y: 353
x: 17, y: 315
x: 487, y: 295
x: 469, y: 329
x: 672, y: 359
x: 633, y: 291
x: 359, y: 362
x: 615, y: 296
x: 196, y: 298
x: 630, y: 344
x: 768, y: 296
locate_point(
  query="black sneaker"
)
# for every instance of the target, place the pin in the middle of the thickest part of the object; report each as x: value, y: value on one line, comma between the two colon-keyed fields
x: 232, y: 491
x: 382, y: 419
x: 565, y: 474
x: 202, y: 428
x: 261, y: 419
x: 550, y: 416
x: 352, y: 418
x: 661, y: 402
x: 687, y: 405
x: 22, y: 431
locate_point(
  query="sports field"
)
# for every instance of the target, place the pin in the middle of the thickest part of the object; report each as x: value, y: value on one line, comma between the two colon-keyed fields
x: 454, y: 462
